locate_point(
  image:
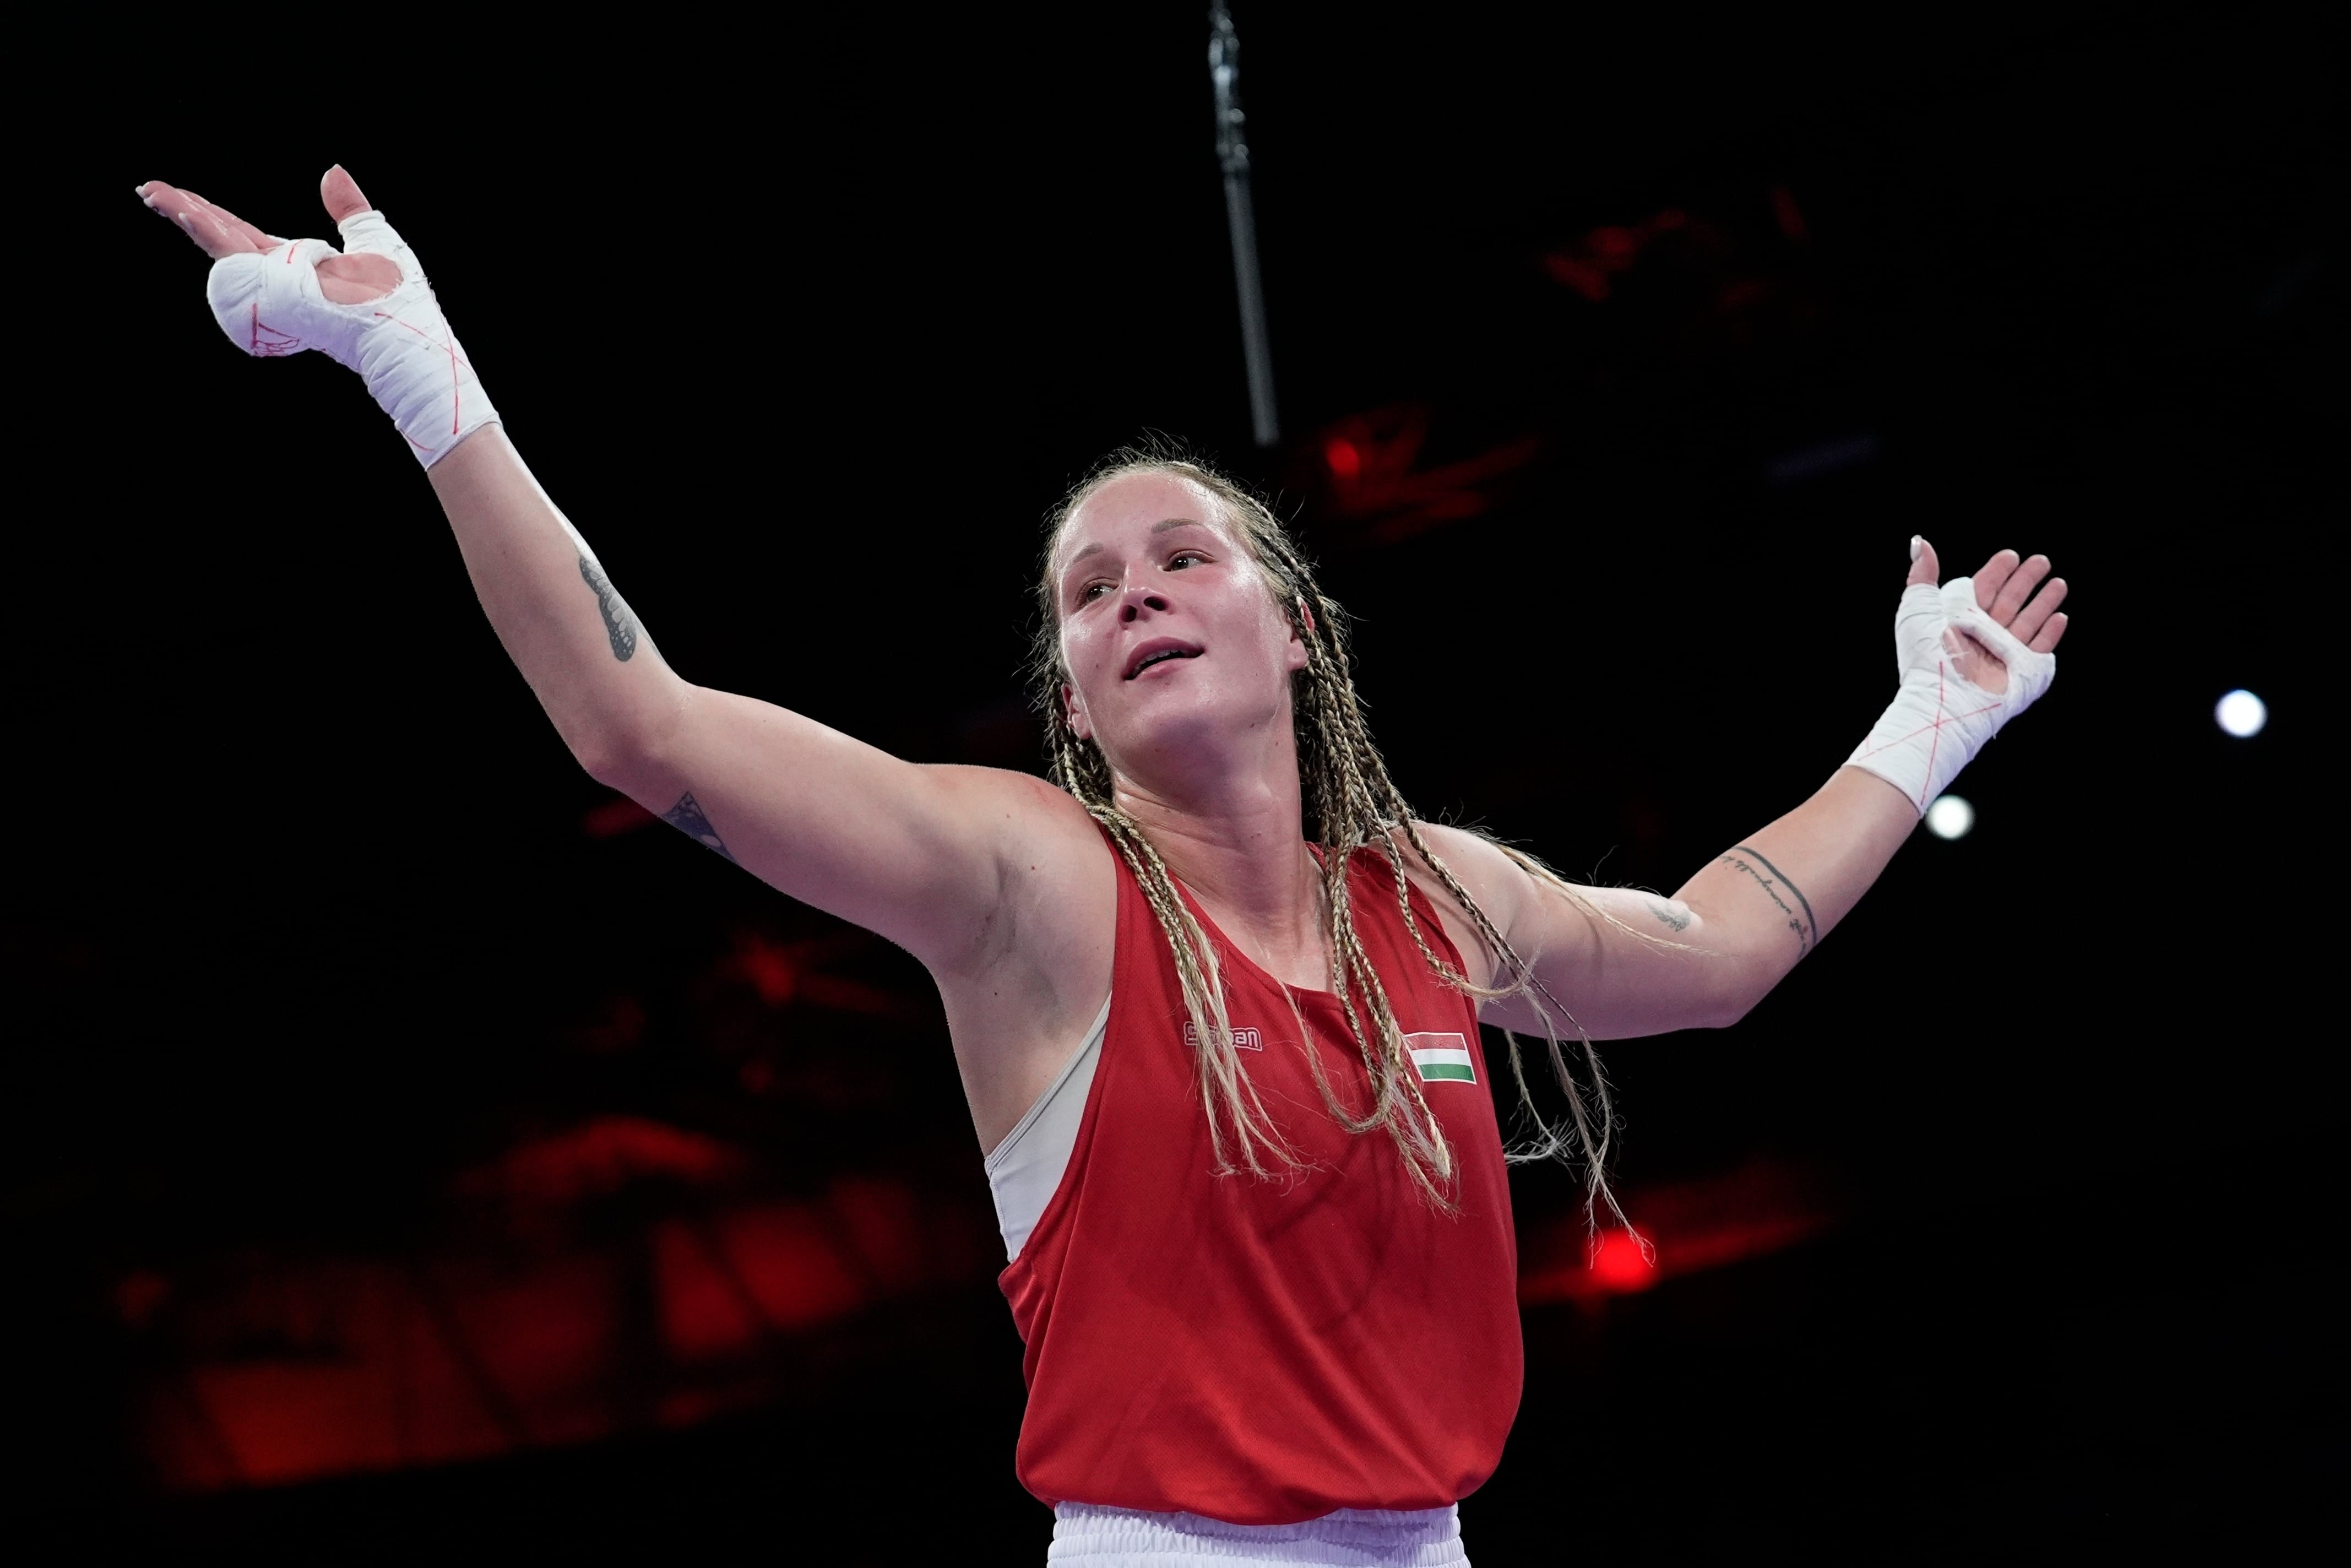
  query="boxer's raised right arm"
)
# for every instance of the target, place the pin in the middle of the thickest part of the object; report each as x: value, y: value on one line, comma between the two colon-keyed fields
x: 923, y: 855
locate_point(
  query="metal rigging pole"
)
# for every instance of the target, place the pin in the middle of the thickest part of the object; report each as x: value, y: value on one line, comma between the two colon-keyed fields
x: 1232, y: 155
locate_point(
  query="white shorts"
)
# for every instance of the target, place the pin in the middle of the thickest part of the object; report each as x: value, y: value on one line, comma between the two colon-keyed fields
x: 1100, y: 1537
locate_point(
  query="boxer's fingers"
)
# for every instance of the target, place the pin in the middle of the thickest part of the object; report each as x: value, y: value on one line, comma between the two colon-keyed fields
x: 340, y: 193
x: 2045, y: 639
x: 2018, y: 589
x: 2029, y: 619
x: 1990, y: 576
x: 1925, y: 570
x: 213, y: 234
x: 216, y: 231
x: 175, y: 206
x: 230, y: 224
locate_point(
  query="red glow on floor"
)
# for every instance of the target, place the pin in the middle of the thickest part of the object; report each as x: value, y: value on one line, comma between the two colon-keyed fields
x: 706, y: 1312
x: 285, y: 1370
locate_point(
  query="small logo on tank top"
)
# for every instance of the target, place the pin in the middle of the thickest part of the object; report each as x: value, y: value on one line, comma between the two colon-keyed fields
x: 1243, y: 1038
x: 1442, y: 1057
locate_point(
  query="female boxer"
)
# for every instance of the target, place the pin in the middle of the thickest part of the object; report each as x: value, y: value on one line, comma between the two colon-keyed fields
x: 1214, y: 991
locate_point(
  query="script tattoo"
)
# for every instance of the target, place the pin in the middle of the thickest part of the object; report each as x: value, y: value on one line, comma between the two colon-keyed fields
x: 619, y: 625
x: 686, y: 818
x: 1674, y: 918
x: 1770, y: 878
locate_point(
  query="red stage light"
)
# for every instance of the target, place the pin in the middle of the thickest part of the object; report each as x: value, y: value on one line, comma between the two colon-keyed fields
x: 1346, y: 462
x: 1709, y: 1223
x: 1619, y: 1265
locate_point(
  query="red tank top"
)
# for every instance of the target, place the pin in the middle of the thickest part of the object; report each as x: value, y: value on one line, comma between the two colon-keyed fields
x: 1265, y: 1351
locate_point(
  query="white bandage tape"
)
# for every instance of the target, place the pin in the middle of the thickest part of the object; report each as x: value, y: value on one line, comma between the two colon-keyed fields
x: 1938, y: 720
x: 270, y: 303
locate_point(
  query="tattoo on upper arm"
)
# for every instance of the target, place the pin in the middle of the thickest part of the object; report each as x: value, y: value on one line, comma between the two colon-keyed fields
x: 688, y: 817
x: 1675, y: 919
x: 619, y: 624
x: 1774, y: 881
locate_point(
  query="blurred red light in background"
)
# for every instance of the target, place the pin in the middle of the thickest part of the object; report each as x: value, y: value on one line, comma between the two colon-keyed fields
x: 601, y: 1155
x: 1613, y: 246
x: 138, y: 1293
x: 1791, y: 218
x: 614, y: 816
x: 1579, y: 275
x: 1621, y: 1264
x: 1710, y: 1222
x: 1374, y: 462
x: 769, y: 967
x: 784, y: 973
x: 289, y: 1368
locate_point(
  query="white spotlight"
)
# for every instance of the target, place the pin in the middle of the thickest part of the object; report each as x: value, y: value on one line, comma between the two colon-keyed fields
x: 1951, y: 817
x: 2241, y: 713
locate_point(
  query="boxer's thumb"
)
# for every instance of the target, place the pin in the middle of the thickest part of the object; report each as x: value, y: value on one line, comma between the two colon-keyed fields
x: 340, y: 193
x: 1925, y: 570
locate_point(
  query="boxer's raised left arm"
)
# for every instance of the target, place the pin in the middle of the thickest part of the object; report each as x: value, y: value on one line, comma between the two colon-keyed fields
x: 1620, y: 962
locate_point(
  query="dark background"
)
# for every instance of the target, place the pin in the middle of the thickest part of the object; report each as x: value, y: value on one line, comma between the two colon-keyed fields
x: 807, y: 325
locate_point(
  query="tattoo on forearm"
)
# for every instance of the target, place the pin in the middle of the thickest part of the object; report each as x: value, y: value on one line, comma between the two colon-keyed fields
x: 619, y: 624
x: 1774, y: 881
x: 1675, y: 919
x: 686, y: 818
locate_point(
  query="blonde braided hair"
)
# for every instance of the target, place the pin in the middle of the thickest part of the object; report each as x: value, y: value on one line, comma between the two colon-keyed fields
x: 1352, y: 804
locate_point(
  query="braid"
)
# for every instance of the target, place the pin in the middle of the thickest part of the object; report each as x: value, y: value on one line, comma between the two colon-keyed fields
x: 1353, y: 804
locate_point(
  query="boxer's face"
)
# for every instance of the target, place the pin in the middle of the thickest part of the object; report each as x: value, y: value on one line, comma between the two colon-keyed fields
x: 1173, y: 647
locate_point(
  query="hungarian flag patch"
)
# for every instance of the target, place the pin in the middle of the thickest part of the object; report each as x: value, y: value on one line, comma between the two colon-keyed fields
x: 1442, y: 1057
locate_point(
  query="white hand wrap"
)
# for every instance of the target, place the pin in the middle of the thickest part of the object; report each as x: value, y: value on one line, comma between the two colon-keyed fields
x: 270, y: 303
x: 1939, y: 720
